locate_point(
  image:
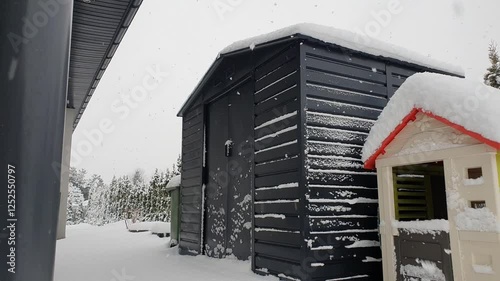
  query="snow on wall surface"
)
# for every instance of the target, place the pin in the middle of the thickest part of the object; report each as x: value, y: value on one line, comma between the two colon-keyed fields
x: 276, y: 232
x: 427, y: 270
x: 348, y: 40
x: 423, y: 227
x: 467, y: 103
x: 341, y: 197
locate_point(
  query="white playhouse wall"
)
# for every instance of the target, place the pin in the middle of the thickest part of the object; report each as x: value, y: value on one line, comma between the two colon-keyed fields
x: 474, y: 233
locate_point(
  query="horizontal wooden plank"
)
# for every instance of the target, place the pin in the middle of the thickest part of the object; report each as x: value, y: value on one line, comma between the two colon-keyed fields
x: 344, y: 57
x: 287, y: 208
x: 191, y: 190
x: 400, y: 72
x: 337, y: 192
x: 338, y: 122
x: 335, y: 163
x: 351, y: 269
x: 190, y: 208
x: 343, y: 69
x: 329, y: 80
x: 197, y: 162
x: 275, y: 180
x: 277, y: 153
x: 288, y: 223
x: 335, y: 135
x: 277, y: 167
x: 341, y: 239
x: 197, y: 153
x: 192, y: 130
x: 276, y: 112
x: 191, y: 218
x: 190, y: 227
x: 193, y: 112
x: 345, y: 96
x: 278, y: 73
x: 281, y: 138
x: 189, y: 247
x: 196, y: 181
x: 191, y: 173
x: 196, y: 121
x: 277, y: 87
x: 342, y: 178
x: 340, y: 108
x: 339, y: 209
x: 276, y: 127
x: 331, y: 148
x: 277, y: 266
x: 272, y: 64
x: 412, y: 201
x: 280, y: 252
x: 413, y: 208
x: 188, y: 236
x: 326, y: 223
x: 275, y: 194
x: 280, y: 99
x: 278, y: 238
x: 196, y: 137
x: 344, y: 255
x: 191, y: 199
x: 187, y: 148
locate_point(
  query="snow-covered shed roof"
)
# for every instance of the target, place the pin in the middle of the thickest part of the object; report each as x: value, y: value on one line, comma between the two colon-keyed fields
x: 350, y: 40
x: 468, y: 106
x: 335, y: 36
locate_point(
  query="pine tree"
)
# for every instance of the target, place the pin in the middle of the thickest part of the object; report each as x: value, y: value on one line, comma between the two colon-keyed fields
x: 178, y: 166
x: 78, y: 177
x: 158, y: 205
x: 98, y: 201
x: 492, y: 76
x: 75, y: 211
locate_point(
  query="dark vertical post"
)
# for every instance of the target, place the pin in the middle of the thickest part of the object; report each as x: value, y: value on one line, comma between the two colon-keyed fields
x: 34, y: 54
x: 303, y: 182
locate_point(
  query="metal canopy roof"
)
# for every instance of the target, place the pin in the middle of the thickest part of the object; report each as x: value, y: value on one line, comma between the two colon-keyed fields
x: 98, y: 28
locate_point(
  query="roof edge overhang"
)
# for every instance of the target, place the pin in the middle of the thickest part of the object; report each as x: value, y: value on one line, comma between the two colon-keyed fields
x: 370, y: 162
x: 296, y: 36
x: 117, y: 38
x: 220, y: 57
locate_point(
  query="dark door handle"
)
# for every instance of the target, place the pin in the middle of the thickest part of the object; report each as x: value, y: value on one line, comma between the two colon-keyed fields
x: 228, y: 148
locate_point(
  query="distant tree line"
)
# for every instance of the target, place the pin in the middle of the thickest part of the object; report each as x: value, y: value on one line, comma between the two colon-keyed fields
x: 492, y: 75
x: 92, y: 201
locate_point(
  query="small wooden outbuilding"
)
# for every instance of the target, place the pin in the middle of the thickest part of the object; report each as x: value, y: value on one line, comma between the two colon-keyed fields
x: 271, y: 152
x: 436, y: 149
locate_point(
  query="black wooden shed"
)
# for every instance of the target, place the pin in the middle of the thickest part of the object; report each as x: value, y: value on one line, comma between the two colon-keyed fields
x: 272, y: 138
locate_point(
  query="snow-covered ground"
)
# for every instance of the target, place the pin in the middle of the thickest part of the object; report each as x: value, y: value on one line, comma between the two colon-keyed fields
x: 111, y: 253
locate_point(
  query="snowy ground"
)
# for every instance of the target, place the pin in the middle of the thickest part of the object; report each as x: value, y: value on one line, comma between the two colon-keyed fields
x: 111, y: 253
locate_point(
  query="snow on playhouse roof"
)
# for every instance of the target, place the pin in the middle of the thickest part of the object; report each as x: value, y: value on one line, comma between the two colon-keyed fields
x: 347, y: 39
x: 468, y: 106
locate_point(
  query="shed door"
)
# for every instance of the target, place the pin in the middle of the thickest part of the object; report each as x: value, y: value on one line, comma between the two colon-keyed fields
x: 229, y: 180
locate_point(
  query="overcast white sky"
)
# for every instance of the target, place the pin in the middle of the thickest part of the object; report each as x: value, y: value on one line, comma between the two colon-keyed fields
x: 183, y: 37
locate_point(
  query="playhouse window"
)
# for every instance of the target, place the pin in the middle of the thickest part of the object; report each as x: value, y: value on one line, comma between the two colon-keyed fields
x: 474, y: 173
x: 419, y: 192
x: 478, y: 204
